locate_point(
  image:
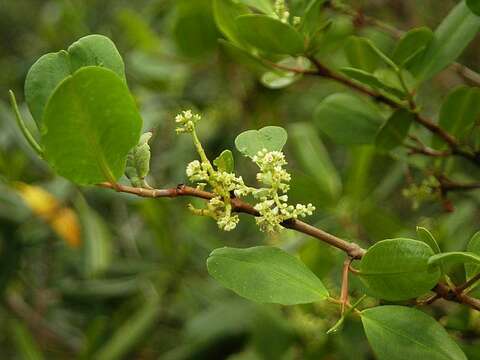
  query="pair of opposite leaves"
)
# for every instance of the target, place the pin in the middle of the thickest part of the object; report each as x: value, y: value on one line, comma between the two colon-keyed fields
x: 86, y: 115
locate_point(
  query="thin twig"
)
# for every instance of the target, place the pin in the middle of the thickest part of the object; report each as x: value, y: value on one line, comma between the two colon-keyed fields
x: 354, y: 251
x: 467, y: 284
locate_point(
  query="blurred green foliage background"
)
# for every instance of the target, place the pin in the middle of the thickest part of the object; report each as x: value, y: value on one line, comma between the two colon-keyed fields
x: 136, y: 285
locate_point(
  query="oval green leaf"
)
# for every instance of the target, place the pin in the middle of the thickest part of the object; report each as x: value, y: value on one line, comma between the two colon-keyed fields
x: 455, y: 257
x: 363, y: 54
x: 225, y: 12
x: 473, y: 247
x: 269, y: 34
x: 372, y: 80
x: 411, y: 45
x: 450, y: 39
x: 348, y: 120
x: 426, y: 236
x: 271, y: 138
x: 395, y: 130
x: 48, y: 71
x: 399, y: 333
x: 266, y: 275
x: 91, y: 122
x: 459, y: 112
x: 398, y: 269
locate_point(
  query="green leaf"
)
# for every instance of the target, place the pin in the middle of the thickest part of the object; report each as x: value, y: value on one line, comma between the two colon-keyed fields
x: 264, y: 6
x: 224, y: 161
x: 398, y: 269
x: 455, y: 257
x: 90, y: 124
x: 459, y: 112
x: 138, y: 161
x: 225, y: 12
x: 190, y: 16
x: 474, y: 6
x: 371, y: 80
x: 243, y: 57
x: 399, y: 333
x: 274, y: 80
x: 315, y: 160
x: 426, y: 236
x: 363, y: 54
x: 271, y: 138
x: 450, y: 39
x: 395, y: 130
x: 266, y: 275
x: 132, y: 331
x: 269, y: 34
x: 411, y: 45
x: 48, y: 71
x: 97, y: 241
x: 347, y: 119
x: 311, y: 19
x: 24, y: 342
x: 473, y: 247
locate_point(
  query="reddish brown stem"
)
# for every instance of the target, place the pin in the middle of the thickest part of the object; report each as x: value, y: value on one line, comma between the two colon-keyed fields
x: 353, y: 250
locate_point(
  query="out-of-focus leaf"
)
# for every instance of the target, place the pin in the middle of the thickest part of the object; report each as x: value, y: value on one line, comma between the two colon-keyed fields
x: 48, y: 71
x: 315, y: 159
x: 25, y: 345
x: 399, y: 332
x: 225, y: 13
x: 264, y: 6
x: 137, y: 30
x: 347, y: 119
x: 311, y: 17
x: 363, y: 54
x: 265, y: 274
x: 371, y: 80
x: 63, y: 220
x: 275, y: 80
x: 411, y: 45
x: 271, y: 138
x: 395, y: 130
x: 269, y: 34
x: 459, y: 112
x: 96, y: 240
x: 450, y: 39
x: 90, y: 124
x: 474, y: 6
x: 473, y: 247
x: 99, y: 290
x: 398, y: 269
x: 190, y: 17
x: 132, y: 331
x: 244, y: 57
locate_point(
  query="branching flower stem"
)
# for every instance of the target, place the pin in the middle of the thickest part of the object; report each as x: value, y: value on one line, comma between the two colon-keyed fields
x: 354, y: 251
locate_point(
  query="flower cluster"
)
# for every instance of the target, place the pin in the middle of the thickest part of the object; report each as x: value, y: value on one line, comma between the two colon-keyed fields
x: 281, y: 10
x: 428, y: 190
x: 222, y: 184
x: 283, y: 14
x: 186, y: 121
x: 273, y: 206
